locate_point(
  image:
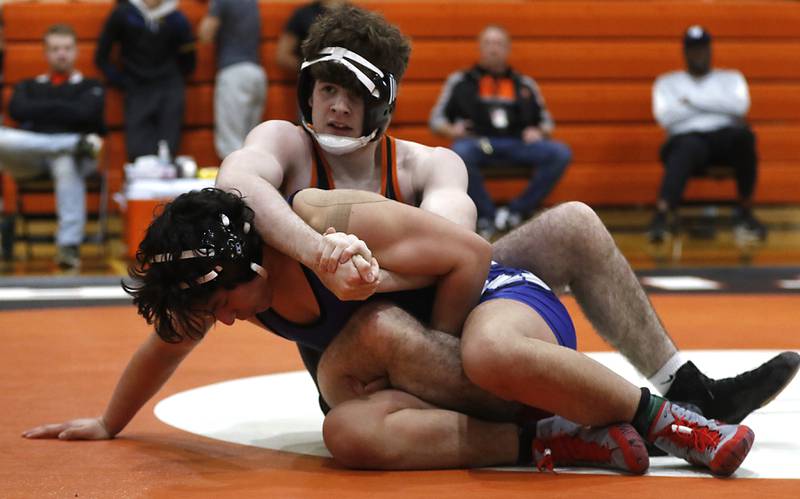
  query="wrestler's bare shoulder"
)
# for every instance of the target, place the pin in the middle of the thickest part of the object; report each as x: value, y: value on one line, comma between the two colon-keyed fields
x: 415, y: 156
x: 278, y: 132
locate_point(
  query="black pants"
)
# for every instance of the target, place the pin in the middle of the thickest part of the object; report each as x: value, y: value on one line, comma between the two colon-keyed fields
x: 690, y: 154
x: 153, y: 112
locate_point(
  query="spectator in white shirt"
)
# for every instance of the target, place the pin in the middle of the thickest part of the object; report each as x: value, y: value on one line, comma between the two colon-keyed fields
x: 704, y: 113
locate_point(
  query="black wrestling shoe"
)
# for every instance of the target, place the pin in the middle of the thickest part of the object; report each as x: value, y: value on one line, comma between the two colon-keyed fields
x: 733, y: 399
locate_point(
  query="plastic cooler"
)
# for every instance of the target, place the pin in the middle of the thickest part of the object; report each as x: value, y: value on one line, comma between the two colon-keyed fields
x: 141, y: 201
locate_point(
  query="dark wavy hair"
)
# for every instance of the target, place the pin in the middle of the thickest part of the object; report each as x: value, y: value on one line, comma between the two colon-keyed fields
x: 167, y: 293
x: 366, y: 33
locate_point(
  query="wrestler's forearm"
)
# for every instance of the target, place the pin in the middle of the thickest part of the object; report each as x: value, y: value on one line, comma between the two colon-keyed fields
x: 276, y: 222
x: 392, y: 281
x: 149, y: 368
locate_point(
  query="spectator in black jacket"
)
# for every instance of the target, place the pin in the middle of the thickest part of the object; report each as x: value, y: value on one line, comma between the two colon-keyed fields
x: 494, y: 114
x: 157, y: 54
x: 2, y: 58
x: 60, y: 115
x: 2, y: 63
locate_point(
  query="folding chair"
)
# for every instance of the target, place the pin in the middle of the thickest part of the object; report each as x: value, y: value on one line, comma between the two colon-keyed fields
x: 35, y: 201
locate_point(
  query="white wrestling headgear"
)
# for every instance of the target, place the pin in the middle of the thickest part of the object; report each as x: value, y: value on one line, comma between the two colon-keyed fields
x: 220, y: 242
x: 379, y: 101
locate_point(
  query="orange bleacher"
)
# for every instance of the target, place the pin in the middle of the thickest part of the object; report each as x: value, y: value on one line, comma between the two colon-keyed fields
x: 595, y: 62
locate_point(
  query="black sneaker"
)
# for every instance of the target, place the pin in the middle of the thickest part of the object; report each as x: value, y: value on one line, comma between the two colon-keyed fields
x: 658, y: 228
x: 746, y: 227
x: 7, y: 237
x: 68, y: 257
x: 733, y: 399
x: 89, y: 146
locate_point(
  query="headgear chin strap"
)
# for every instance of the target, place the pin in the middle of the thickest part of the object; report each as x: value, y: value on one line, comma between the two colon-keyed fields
x: 381, y: 96
x: 339, y: 145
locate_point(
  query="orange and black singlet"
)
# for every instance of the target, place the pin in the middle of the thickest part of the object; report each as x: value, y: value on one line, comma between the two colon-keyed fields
x: 322, y: 176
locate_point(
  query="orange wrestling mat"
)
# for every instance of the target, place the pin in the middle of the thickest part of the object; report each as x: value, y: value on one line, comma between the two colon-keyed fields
x: 63, y: 363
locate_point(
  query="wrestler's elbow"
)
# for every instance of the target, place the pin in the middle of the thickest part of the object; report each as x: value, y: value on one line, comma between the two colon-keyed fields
x: 244, y: 169
x: 479, y: 250
x: 233, y: 170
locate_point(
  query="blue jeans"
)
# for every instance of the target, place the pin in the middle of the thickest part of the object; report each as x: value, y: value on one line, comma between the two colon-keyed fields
x: 25, y: 154
x: 548, y: 160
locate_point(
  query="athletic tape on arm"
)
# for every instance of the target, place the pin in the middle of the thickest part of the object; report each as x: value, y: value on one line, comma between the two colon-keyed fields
x: 338, y: 204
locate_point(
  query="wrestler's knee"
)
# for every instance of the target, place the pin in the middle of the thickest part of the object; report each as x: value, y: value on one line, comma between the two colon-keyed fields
x: 485, y: 353
x: 348, y: 442
x: 581, y: 233
x: 352, y: 432
x: 577, y: 217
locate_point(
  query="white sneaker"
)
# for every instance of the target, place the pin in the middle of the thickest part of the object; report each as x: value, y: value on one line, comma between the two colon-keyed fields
x: 506, y: 220
x: 501, y: 219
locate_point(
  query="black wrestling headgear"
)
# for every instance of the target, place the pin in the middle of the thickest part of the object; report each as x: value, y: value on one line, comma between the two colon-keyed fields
x: 379, y: 101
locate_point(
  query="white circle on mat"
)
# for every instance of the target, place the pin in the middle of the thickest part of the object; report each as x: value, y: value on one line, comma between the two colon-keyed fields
x: 280, y: 412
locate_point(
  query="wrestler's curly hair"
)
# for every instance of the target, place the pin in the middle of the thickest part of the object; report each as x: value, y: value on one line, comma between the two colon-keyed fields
x: 366, y: 33
x: 164, y: 287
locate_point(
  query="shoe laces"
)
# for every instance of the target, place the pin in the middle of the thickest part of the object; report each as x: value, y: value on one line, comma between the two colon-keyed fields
x: 690, y: 434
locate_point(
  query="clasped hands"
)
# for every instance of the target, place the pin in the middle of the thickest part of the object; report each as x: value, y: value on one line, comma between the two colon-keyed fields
x: 346, y: 266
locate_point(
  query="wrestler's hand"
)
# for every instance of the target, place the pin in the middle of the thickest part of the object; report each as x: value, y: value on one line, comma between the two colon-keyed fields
x: 76, y: 429
x: 347, y: 284
x: 347, y: 267
x: 338, y: 247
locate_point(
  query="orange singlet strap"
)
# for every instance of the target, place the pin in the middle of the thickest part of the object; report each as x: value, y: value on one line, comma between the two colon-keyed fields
x: 391, y: 182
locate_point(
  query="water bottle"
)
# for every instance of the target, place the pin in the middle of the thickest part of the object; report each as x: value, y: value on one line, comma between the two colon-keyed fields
x: 163, y: 152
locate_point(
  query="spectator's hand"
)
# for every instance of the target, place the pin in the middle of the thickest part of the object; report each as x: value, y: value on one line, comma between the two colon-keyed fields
x: 460, y: 129
x: 346, y: 266
x: 76, y: 429
x: 532, y: 134
x: 686, y: 102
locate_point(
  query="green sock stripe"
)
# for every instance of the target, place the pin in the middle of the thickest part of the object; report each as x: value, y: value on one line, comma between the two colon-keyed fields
x: 653, y: 410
